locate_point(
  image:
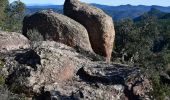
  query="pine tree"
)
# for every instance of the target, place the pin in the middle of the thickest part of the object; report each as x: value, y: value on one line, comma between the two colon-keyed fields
x: 3, y: 7
x: 16, y: 11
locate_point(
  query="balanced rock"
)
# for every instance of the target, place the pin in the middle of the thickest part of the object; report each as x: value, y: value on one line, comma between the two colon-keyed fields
x: 12, y: 41
x: 57, y: 27
x: 98, y: 24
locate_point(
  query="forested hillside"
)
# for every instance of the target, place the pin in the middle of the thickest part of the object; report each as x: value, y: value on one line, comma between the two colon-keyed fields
x: 117, y: 12
x: 145, y: 41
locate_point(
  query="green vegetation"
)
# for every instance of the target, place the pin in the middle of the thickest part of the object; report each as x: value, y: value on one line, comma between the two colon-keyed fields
x: 34, y: 35
x: 146, y: 43
x: 1, y: 63
x: 12, y: 15
x: 160, y: 90
x: 3, y: 7
x: 2, y: 80
x: 5, y: 94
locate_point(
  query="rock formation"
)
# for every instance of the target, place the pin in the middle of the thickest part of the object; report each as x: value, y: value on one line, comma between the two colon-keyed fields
x: 64, y: 69
x: 98, y: 24
x: 46, y: 63
x: 51, y: 70
x: 12, y: 41
x: 59, y: 28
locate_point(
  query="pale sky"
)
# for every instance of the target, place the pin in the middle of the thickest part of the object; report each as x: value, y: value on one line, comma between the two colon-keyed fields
x: 105, y: 2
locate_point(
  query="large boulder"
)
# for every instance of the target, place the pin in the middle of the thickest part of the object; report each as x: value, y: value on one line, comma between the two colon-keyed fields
x: 57, y: 27
x: 51, y: 70
x: 45, y: 63
x: 98, y: 24
x: 12, y: 41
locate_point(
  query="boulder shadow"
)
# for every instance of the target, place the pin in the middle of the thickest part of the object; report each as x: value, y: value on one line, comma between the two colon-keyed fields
x: 30, y: 58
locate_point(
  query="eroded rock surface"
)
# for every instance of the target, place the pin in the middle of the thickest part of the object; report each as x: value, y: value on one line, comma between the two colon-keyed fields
x: 55, y: 71
x: 133, y: 82
x: 12, y: 41
x: 98, y: 24
x: 59, y: 28
x: 46, y: 63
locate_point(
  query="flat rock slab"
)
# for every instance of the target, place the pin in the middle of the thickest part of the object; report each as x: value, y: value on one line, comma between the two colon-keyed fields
x: 110, y: 74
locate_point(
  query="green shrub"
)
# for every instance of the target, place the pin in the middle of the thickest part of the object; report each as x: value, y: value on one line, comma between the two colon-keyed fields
x: 168, y: 69
x: 1, y: 63
x: 34, y: 35
x: 160, y: 90
x: 2, y: 80
x: 5, y: 94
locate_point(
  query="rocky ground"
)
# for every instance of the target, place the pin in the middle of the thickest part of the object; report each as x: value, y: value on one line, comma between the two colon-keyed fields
x: 50, y: 70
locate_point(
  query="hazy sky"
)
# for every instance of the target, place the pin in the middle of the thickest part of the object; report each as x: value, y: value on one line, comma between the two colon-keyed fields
x: 106, y: 2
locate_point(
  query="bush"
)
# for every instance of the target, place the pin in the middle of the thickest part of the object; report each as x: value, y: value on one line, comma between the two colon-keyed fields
x: 5, y: 94
x: 146, y: 44
x: 34, y: 35
x: 2, y: 80
x: 160, y: 90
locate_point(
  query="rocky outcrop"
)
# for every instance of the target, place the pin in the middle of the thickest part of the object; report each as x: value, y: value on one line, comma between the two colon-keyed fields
x: 131, y: 81
x: 51, y: 70
x: 12, y: 41
x: 59, y: 28
x: 46, y: 63
x: 98, y: 24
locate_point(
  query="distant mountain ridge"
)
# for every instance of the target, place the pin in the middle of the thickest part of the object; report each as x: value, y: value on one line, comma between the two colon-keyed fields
x: 46, y: 6
x: 35, y: 8
x: 155, y: 13
x: 117, y: 12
